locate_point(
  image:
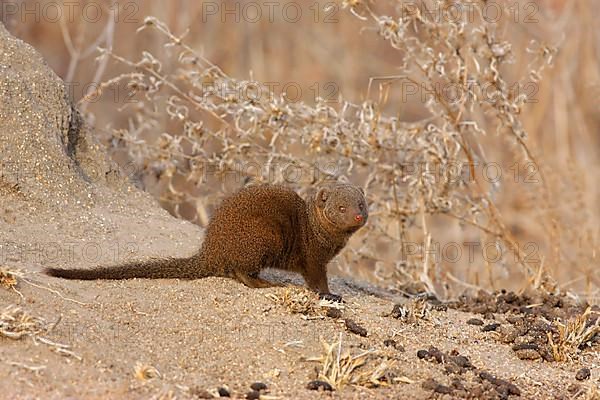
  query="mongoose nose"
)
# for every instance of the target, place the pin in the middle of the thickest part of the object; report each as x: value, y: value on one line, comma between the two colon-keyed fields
x: 358, y: 218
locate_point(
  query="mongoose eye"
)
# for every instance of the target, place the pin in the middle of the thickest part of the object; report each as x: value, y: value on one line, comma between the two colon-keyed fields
x: 342, y: 209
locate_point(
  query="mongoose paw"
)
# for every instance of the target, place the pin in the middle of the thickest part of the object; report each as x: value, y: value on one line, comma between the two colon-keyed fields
x: 331, y: 297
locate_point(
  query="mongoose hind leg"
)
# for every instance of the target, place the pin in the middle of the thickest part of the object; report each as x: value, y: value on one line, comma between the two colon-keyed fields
x: 254, y: 281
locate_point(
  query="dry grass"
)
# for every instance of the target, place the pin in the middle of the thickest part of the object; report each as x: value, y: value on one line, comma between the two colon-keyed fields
x: 340, y: 368
x: 16, y: 323
x: 574, y: 335
x: 169, y: 395
x: 299, y: 300
x: 414, y: 311
x: 592, y: 393
x: 145, y: 372
x: 8, y: 277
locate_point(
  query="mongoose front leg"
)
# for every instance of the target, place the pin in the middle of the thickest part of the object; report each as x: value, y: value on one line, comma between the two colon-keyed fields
x: 316, y: 279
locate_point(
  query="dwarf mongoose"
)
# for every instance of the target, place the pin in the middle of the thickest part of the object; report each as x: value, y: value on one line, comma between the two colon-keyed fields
x: 262, y: 226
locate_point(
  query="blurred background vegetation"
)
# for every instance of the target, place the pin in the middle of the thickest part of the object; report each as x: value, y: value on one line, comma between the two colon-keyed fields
x: 309, y: 49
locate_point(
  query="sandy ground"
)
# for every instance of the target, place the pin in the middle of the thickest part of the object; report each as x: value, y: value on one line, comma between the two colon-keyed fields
x: 62, y: 203
x: 201, y: 335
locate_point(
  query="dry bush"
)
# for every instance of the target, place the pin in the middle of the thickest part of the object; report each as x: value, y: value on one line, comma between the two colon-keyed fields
x: 257, y: 132
x: 195, y: 133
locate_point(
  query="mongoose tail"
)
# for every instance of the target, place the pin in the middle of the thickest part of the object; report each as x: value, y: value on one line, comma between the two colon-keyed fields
x: 183, y: 268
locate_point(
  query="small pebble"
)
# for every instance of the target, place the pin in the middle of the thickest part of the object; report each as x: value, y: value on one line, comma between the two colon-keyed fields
x: 475, y: 321
x: 458, y: 385
x: 258, y: 386
x: 223, y: 392
x: 515, y: 319
x: 505, y: 386
x: 528, y: 354
x: 508, y: 333
x: 461, y: 361
x: 253, y: 395
x: 355, y: 328
x: 490, y: 327
x: 431, y: 384
x: 434, y: 352
x: 443, y: 389
x: 422, y: 354
x: 394, y: 344
x: 453, y: 369
x: 333, y: 313
x: 583, y: 374
x: 316, y: 385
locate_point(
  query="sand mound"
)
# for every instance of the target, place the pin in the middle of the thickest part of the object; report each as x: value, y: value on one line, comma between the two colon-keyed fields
x: 62, y: 200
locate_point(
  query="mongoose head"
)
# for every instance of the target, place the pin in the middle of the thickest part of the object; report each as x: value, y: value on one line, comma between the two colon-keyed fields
x: 342, y: 208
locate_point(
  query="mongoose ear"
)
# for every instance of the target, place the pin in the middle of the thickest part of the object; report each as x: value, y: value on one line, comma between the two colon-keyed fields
x: 322, y: 196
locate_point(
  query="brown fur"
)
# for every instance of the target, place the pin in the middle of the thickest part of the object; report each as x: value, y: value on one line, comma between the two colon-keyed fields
x: 263, y: 226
